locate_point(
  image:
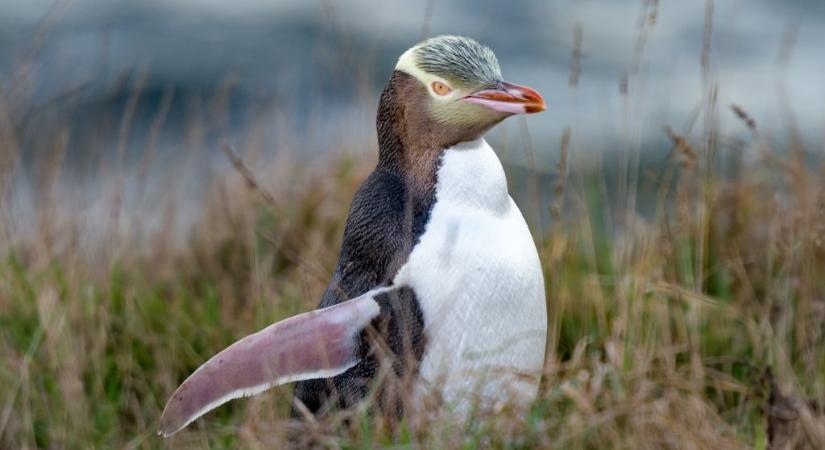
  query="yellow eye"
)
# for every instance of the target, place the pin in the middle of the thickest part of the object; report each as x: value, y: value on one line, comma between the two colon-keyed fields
x: 441, y: 88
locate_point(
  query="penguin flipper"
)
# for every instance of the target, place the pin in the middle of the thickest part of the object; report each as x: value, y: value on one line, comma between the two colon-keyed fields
x: 317, y: 344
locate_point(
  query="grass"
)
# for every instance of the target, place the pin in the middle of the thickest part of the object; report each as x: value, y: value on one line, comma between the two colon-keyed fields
x: 659, y: 335
x: 697, y: 324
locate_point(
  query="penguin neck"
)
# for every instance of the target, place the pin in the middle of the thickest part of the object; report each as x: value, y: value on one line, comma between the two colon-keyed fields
x: 411, y: 143
x: 404, y: 149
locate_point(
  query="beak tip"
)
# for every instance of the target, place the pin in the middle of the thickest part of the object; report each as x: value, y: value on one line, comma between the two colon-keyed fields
x: 536, y: 102
x: 537, y: 107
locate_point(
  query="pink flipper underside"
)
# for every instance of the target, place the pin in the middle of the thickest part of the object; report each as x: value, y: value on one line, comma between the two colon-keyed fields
x: 315, y: 344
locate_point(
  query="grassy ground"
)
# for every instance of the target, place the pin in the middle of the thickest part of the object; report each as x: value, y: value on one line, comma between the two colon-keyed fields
x: 660, y: 335
x: 696, y: 325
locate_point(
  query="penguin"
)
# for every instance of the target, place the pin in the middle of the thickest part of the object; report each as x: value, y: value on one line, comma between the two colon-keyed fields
x: 438, y: 278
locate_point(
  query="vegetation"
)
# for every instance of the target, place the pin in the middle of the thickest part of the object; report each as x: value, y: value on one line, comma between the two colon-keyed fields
x: 660, y: 335
x: 698, y: 324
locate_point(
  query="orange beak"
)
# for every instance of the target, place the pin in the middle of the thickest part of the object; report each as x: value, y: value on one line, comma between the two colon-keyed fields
x: 509, y: 98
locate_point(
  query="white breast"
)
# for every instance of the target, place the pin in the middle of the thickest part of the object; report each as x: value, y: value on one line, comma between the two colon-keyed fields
x: 477, y: 277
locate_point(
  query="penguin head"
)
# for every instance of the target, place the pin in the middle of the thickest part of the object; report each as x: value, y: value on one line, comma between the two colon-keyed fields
x: 459, y: 83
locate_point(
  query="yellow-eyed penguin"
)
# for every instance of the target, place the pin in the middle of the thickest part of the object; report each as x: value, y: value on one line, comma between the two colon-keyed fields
x: 438, y: 271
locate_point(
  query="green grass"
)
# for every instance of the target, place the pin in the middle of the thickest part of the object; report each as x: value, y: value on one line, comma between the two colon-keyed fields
x: 659, y: 335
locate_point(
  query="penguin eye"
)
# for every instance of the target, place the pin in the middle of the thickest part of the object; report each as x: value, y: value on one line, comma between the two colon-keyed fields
x: 441, y: 88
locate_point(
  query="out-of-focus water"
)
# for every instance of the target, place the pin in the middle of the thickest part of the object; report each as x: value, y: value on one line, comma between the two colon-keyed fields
x: 126, y: 77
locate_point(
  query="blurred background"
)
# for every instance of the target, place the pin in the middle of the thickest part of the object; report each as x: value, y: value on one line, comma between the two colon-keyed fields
x: 175, y: 174
x: 152, y: 87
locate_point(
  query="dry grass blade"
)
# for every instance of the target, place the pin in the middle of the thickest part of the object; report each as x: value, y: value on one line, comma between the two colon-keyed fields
x: 575, y: 58
x: 744, y: 116
x: 248, y: 176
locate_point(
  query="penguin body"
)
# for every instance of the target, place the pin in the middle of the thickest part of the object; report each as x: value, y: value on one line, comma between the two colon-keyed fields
x: 471, y: 285
x: 438, y: 285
